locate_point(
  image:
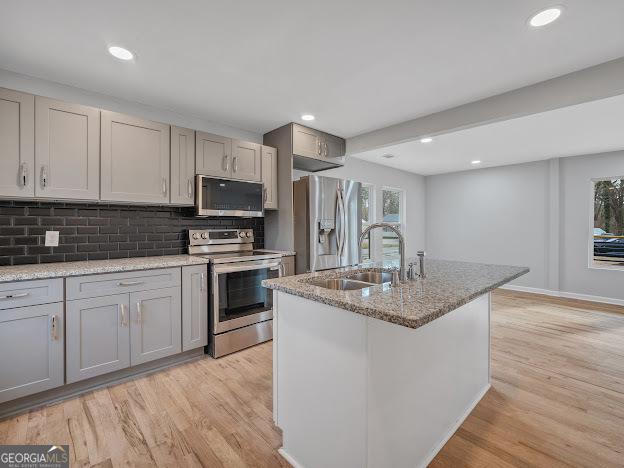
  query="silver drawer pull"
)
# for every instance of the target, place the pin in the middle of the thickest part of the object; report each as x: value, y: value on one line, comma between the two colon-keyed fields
x: 15, y: 296
x: 129, y: 283
x: 54, y: 327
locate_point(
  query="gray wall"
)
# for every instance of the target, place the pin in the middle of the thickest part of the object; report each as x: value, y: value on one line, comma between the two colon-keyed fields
x: 413, y: 184
x: 536, y: 214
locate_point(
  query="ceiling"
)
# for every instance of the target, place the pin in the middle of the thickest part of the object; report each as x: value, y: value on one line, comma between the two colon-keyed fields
x: 588, y: 128
x: 357, y: 65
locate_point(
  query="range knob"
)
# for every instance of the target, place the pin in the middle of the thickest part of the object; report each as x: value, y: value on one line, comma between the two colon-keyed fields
x: 249, y: 234
x: 204, y: 235
x: 195, y: 236
x: 241, y: 234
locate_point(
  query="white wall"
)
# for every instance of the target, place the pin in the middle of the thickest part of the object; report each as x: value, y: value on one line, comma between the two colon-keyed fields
x: 412, y: 184
x: 63, y: 92
x: 536, y: 214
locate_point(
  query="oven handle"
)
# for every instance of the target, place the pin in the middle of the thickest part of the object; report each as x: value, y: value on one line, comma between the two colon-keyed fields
x: 244, y: 266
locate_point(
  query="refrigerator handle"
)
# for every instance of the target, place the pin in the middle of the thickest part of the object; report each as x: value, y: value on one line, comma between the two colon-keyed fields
x: 340, y: 211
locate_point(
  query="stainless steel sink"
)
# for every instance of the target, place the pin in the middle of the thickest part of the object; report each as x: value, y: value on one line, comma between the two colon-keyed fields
x: 341, y: 284
x: 376, y: 277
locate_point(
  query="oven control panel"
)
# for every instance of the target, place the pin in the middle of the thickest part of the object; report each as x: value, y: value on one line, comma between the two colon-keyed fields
x: 220, y: 236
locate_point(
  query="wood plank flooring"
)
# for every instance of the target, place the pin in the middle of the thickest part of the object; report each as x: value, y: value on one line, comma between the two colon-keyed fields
x: 557, y: 399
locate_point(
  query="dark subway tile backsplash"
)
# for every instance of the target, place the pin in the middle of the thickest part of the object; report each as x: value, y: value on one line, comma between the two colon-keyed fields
x: 99, y: 232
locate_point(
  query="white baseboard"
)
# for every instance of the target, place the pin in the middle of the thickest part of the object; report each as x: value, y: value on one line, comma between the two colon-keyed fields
x: 454, y: 427
x: 568, y: 295
x: 294, y: 463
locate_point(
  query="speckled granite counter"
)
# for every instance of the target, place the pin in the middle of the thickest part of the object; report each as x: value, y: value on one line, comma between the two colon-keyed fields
x: 448, y: 285
x: 62, y: 270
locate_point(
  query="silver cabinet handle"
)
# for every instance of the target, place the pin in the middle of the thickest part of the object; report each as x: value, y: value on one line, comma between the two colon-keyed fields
x: 24, y: 174
x: 15, y: 296
x: 235, y: 164
x: 190, y: 188
x: 226, y: 163
x: 202, y: 281
x: 318, y: 146
x: 282, y: 271
x: 139, y: 312
x: 124, y: 320
x: 129, y: 283
x: 164, y: 185
x: 44, y: 176
x: 54, y: 327
x: 326, y: 150
x: 266, y: 197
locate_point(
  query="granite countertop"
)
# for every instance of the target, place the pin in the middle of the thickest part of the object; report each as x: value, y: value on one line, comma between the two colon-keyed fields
x: 65, y: 269
x: 448, y: 285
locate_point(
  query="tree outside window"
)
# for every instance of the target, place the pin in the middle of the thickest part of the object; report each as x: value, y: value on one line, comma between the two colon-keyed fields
x: 392, y: 213
x: 368, y: 208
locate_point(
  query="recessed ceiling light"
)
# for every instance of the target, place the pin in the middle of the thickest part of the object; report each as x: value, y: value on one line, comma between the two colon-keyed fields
x: 120, y: 53
x: 476, y: 161
x: 387, y: 156
x: 307, y: 117
x: 545, y: 17
x: 426, y: 140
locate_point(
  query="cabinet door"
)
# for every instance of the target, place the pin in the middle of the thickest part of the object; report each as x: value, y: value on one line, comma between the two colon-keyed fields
x: 98, y: 336
x: 182, y: 166
x: 306, y: 141
x: 17, y: 139
x: 33, y: 334
x: 194, y: 307
x: 67, y: 150
x: 155, y: 328
x: 289, y: 265
x: 269, y: 176
x: 135, y: 159
x: 333, y: 147
x: 213, y: 155
x: 246, y: 160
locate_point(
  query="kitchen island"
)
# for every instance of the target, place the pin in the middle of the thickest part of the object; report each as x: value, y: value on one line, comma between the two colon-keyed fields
x: 380, y: 376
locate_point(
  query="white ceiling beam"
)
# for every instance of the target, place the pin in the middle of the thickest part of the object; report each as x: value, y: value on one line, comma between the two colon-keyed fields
x: 590, y: 84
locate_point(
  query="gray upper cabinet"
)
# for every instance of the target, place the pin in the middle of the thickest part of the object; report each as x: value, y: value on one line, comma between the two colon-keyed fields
x: 35, y: 335
x: 269, y: 176
x: 306, y: 141
x: 246, y: 160
x: 155, y: 326
x: 213, y: 155
x: 67, y: 150
x: 194, y: 307
x: 182, y: 166
x: 17, y: 155
x: 134, y: 159
x: 98, y: 336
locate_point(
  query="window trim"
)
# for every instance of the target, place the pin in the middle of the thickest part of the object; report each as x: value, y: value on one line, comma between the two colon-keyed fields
x: 590, y: 232
x: 402, y: 212
x: 372, y: 218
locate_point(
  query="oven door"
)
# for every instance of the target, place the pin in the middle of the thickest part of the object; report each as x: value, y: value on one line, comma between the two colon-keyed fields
x: 238, y: 297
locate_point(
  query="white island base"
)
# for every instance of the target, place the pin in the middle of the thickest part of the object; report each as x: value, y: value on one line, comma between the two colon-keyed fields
x: 355, y: 391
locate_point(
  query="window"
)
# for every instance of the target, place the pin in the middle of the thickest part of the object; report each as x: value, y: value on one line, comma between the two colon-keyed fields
x: 367, y: 203
x: 608, y: 223
x: 393, y: 214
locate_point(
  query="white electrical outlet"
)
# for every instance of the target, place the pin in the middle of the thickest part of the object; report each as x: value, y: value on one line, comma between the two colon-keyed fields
x: 52, y: 238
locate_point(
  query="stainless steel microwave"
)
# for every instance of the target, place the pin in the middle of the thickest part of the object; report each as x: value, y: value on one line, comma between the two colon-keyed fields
x: 225, y: 197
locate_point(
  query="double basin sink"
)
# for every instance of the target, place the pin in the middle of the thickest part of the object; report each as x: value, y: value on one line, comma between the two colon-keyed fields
x: 355, y: 281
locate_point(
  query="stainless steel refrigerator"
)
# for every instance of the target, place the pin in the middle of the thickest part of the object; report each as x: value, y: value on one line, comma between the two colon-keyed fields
x: 328, y: 222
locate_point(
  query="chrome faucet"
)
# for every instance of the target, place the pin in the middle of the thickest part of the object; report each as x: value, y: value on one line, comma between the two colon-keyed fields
x: 411, y: 273
x: 403, y: 268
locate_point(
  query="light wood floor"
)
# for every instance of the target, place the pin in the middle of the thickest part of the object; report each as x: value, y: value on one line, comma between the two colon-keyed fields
x: 557, y: 399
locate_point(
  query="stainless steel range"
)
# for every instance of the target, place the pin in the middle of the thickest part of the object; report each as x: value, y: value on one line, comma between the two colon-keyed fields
x: 240, y: 309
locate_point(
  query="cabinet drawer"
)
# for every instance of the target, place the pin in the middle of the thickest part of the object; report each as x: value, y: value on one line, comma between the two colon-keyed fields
x: 28, y: 293
x: 82, y: 287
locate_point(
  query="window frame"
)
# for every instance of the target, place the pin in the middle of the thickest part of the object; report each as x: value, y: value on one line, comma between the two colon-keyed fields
x: 591, y: 263
x: 372, y: 218
x: 402, y: 213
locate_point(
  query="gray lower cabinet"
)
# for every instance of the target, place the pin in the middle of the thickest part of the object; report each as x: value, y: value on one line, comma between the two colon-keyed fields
x: 194, y: 307
x: 31, y: 350
x: 98, y: 336
x: 155, y: 324
x: 289, y: 265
